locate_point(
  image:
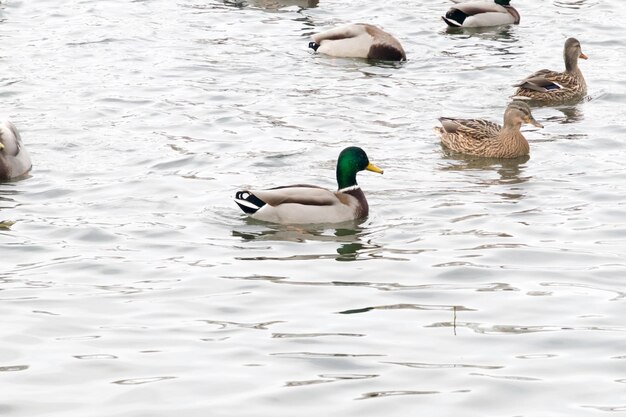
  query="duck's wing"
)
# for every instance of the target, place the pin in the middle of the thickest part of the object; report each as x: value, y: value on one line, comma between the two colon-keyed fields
x: 469, y: 136
x: 477, y: 129
x: 309, y: 195
x: 479, y: 14
x: 342, y: 32
x: 477, y: 7
x: 300, y: 204
x: 297, y: 194
x: 544, y: 81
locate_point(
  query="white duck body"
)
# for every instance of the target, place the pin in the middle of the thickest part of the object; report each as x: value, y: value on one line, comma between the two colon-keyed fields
x: 300, y: 204
x: 475, y: 14
x: 358, y: 41
x: 14, y: 158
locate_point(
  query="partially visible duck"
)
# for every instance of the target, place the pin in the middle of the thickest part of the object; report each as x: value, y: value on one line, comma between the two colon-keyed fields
x: 300, y: 204
x: 484, y: 138
x: 358, y: 40
x: 14, y: 158
x: 482, y: 14
x: 552, y: 87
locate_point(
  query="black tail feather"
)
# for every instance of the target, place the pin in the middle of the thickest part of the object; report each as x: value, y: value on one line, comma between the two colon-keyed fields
x: 455, y: 15
x: 248, y: 202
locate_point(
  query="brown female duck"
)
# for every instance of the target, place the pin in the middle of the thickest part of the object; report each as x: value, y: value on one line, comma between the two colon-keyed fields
x: 484, y: 138
x: 552, y: 87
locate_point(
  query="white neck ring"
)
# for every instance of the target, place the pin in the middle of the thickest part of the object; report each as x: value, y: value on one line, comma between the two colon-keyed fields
x: 352, y: 187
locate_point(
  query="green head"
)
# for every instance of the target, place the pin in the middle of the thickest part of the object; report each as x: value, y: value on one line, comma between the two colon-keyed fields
x: 352, y: 160
x: 503, y: 2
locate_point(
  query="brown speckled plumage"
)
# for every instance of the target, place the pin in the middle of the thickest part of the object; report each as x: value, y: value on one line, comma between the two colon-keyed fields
x: 488, y: 139
x: 552, y: 87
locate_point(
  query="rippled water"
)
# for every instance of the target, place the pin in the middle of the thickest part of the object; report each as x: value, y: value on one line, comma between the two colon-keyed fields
x: 131, y: 284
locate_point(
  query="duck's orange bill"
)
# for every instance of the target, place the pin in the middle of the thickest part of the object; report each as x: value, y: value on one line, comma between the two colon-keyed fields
x: 583, y: 56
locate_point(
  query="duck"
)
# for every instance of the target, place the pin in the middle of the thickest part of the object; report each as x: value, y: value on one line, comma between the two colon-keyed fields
x: 14, y: 158
x: 302, y: 204
x: 488, y: 139
x: 483, y: 13
x: 553, y: 87
x: 358, y: 40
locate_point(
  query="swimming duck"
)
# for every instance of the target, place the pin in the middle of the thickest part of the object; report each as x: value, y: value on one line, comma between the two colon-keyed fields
x: 14, y: 158
x: 358, y: 40
x: 482, y: 14
x: 299, y: 204
x: 484, y: 138
x: 552, y: 87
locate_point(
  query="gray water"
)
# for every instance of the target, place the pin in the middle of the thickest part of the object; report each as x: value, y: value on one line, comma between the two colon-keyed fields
x: 132, y: 285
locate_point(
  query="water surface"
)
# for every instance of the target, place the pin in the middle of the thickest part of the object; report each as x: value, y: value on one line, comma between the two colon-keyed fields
x: 131, y: 284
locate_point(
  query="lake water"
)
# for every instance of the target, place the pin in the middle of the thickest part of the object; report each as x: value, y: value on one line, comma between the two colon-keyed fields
x: 132, y: 285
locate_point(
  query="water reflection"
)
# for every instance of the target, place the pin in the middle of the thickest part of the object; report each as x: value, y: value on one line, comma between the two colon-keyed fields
x: 507, y: 377
x: 352, y: 239
x: 382, y: 394
x: 504, y: 33
x: 421, y: 365
x: 422, y: 307
x: 7, y: 191
x: 272, y: 4
x: 575, y: 4
x: 140, y: 381
x: 380, y: 286
x: 263, y: 231
x: 570, y: 114
x: 483, y: 328
x: 7, y: 202
x: 14, y: 368
x: 509, y: 170
x: 329, y: 378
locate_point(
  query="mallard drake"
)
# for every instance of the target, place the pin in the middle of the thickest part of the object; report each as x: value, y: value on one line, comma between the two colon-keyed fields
x: 299, y: 204
x: 14, y: 158
x: 358, y: 40
x: 474, y: 14
x: 552, y: 87
x: 484, y: 138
